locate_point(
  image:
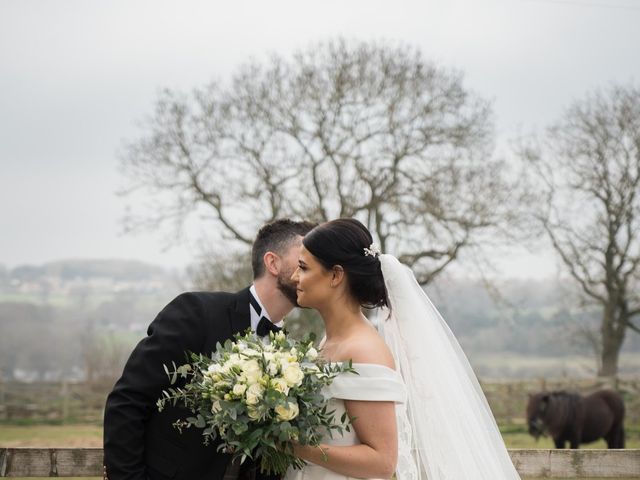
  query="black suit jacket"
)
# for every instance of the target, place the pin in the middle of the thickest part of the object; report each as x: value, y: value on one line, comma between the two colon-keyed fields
x: 140, y: 443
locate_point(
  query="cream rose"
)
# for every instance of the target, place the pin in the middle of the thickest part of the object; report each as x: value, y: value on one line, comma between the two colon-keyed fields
x: 293, y: 375
x: 254, y: 394
x: 239, y: 389
x: 250, y: 352
x: 254, y: 413
x: 280, y: 385
x: 250, y: 366
x: 287, y: 412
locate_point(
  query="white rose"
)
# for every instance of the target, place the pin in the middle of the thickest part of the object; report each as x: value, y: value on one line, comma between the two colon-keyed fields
x: 254, y: 413
x: 293, y: 375
x: 254, y: 394
x: 280, y: 385
x: 272, y: 368
x: 284, y: 364
x: 235, y: 360
x: 239, y: 389
x: 288, y: 412
x: 252, y: 377
x: 312, y: 354
x: 250, y: 366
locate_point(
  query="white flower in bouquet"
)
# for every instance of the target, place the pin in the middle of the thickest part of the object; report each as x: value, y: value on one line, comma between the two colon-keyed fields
x: 312, y: 354
x: 254, y: 413
x: 239, y: 389
x: 280, y: 385
x: 287, y: 412
x: 254, y: 394
x: 293, y: 374
x: 216, y: 407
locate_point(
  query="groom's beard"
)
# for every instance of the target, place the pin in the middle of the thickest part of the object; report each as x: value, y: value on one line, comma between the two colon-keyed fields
x: 288, y: 287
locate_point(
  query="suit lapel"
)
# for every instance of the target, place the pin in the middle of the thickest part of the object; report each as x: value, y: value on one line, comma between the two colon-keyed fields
x: 239, y: 315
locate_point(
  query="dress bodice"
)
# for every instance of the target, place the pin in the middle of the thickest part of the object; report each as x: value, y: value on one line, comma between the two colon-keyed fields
x: 371, y: 383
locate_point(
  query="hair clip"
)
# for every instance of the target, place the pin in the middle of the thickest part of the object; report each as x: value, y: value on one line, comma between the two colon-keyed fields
x: 373, y: 250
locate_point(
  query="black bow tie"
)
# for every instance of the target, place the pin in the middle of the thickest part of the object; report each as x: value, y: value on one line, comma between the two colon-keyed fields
x: 264, y: 325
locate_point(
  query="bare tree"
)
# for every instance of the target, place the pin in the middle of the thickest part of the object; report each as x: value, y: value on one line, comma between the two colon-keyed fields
x: 104, y: 354
x: 589, y: 172
x: 359, y: 130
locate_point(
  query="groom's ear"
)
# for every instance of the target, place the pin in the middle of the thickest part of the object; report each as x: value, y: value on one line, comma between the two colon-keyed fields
x: 271, y: 263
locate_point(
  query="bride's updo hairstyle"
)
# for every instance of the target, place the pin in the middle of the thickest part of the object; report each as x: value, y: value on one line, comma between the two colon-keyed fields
x: 342, y: 242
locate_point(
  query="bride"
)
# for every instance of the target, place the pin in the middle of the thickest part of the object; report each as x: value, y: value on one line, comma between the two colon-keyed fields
x: 416, y: 407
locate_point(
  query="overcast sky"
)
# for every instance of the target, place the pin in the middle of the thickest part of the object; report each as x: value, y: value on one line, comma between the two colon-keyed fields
x: 76, y: 76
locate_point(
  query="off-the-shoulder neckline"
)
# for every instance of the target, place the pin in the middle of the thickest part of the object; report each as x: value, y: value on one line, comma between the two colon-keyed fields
x: 369, y: 365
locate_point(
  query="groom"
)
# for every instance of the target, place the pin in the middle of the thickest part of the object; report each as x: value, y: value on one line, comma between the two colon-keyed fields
x: 139, y: 442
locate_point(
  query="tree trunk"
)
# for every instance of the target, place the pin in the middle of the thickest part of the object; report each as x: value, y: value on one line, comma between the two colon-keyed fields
x: 609, y: 360
x: 612, y: 339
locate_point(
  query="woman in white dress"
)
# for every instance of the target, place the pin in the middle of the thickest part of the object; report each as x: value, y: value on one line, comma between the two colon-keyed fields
x: 416, y: 407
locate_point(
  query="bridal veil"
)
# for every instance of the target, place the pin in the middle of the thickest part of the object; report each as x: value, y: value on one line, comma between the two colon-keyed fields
x: 447, y: 431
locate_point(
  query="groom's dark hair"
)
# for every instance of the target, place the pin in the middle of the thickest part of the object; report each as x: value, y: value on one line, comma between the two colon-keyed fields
x: 276, y: 237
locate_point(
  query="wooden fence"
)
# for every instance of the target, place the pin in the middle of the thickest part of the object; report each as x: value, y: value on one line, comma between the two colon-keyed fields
x: 87, y: 462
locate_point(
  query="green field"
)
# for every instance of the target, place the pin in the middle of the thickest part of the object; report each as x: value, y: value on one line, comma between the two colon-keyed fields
x: 90, y: 435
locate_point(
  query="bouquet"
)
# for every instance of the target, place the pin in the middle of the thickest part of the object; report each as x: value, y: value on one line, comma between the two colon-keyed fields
x: 258, y: 398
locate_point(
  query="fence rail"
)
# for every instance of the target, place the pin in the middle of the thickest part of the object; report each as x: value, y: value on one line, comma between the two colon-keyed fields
x: 87, y: 462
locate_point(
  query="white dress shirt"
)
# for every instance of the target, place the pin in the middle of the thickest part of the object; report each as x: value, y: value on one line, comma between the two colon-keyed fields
x: 255, y: 318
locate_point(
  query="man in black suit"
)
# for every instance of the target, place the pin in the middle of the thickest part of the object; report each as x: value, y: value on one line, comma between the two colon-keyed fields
x: 139, y: 442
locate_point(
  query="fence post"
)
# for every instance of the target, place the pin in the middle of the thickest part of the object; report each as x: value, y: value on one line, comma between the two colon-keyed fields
x: 65, y: 400
x: 3, y: 406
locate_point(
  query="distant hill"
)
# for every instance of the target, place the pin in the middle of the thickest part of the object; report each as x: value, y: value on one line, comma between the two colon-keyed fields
x: 84, y: 269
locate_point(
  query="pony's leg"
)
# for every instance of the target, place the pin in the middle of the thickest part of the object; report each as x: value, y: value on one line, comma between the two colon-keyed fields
x: 619, y: 437
x: 615, y: 438
x: 576, y: 436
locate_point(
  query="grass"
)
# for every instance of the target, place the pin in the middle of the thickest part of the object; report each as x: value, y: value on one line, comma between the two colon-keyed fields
x: 48, y: 436
x: 83, y: 435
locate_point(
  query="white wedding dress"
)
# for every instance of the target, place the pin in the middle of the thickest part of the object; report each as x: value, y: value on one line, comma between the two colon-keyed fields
x: 373, y: 383
x: 446, y: 430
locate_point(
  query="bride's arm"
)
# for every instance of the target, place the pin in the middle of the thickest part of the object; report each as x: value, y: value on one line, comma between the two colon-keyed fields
x: 375, y: 457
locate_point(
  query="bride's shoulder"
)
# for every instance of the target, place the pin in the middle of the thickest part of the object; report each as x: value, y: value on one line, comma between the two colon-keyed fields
x: 369, y: 348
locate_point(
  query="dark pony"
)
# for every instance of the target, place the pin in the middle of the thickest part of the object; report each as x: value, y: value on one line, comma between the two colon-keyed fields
x: 568, y: 416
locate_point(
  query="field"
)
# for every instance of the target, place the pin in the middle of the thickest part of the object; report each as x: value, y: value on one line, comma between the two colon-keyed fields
x: 90, y: 435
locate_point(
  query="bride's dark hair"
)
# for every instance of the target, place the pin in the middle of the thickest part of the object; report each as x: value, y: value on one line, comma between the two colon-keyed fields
x: 343, y: 242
